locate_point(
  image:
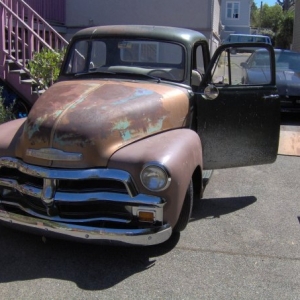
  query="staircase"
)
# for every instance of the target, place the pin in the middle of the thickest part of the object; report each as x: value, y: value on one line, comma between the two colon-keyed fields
x: 23, y: 32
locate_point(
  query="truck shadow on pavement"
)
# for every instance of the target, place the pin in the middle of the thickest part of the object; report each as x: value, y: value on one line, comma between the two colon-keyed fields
x: 216, y: 207
x: 91, y: 267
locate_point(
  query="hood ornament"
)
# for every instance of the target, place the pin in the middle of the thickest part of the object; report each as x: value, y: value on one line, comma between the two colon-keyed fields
x: 54, y: 154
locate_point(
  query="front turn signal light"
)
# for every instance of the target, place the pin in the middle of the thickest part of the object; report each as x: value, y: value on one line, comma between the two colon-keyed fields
x: 146, y: 216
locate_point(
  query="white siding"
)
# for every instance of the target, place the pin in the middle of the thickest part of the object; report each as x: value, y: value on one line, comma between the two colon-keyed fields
x: 240, y: 25
x: 187, y: 13
x: 216, y: 15
x: 214, y: 39
x: 192, y: 14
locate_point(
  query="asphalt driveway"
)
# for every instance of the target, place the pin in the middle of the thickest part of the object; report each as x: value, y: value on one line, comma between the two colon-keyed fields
x: 242, y: 243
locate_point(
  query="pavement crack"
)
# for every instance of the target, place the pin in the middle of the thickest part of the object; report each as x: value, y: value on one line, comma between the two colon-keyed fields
x: 232, y: 253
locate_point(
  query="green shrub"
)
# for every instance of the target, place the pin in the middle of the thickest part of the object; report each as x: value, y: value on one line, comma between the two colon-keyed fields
x: 6, y: 113
x: 45, y: 66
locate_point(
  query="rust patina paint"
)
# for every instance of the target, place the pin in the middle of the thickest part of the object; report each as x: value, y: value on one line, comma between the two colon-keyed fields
x: 96, y: 118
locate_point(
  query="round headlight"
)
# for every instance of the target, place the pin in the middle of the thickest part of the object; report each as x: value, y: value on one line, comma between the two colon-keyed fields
x: 155, y: 177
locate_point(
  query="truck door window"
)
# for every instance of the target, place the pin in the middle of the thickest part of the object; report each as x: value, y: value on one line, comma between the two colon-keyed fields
x: 200, y: 60
x: 198, y: 68
x: 242, y: 66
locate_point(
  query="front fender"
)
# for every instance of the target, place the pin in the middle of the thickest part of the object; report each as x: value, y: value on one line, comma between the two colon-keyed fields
x: 10, y: 133
x: 179, y: 150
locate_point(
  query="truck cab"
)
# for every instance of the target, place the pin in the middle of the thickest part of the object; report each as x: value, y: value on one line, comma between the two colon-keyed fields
x: 117, y: 149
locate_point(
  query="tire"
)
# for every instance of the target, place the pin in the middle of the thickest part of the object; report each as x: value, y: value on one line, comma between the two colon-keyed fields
x: 186, y: 210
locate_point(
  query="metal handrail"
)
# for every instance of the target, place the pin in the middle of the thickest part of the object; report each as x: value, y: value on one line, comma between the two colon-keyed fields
x: 30, y: 30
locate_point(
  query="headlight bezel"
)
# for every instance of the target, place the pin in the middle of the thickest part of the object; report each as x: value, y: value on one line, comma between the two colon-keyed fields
x: 157, y: 168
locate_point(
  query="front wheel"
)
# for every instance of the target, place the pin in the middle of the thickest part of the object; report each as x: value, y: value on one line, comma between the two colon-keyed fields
x: 186, y: 210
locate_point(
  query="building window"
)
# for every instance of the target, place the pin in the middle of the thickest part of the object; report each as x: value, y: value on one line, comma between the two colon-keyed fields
x: 232, y: 10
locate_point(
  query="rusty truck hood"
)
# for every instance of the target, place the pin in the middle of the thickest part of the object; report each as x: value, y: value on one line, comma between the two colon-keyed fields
x: 94, y: 118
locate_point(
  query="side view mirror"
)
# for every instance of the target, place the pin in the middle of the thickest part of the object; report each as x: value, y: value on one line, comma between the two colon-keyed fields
x: 210, y: 92
x: 244, y: 65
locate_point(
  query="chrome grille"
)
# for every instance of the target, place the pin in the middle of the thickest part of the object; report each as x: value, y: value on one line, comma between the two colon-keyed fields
x: 69, y: 195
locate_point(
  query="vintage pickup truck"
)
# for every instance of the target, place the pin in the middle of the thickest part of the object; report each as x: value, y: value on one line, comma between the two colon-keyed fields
x: 116, y: 150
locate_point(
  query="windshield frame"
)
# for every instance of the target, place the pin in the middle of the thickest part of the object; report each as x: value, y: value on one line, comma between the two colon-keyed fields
x: 116, y: 63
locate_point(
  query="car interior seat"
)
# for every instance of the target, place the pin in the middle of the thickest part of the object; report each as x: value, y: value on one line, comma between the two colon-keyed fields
x: 196, y: 78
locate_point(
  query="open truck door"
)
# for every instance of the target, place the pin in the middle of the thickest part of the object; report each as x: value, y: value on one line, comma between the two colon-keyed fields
x: 238, y: 108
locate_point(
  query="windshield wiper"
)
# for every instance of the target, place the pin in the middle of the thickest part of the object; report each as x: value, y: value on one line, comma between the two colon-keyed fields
x: 117, y: 73
x: 93, y: 73
x: 139, y: 74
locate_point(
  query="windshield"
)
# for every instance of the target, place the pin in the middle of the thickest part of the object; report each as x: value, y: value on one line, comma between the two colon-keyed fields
x: 157, y: 59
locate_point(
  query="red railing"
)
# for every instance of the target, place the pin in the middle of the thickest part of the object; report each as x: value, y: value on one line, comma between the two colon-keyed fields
x: 24, y: 32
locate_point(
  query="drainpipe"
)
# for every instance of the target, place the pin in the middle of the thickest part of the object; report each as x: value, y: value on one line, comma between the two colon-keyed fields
x: 212, y: 26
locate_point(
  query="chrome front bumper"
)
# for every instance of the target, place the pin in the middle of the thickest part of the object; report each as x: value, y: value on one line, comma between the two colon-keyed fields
x: 66, y: 202
x: 142, y: 237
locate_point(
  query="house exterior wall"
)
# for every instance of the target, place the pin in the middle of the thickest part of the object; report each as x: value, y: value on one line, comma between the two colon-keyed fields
x: 215, y: 20
x: 296, y: 33
x: 50, y: 10
x: 202, y: 15
x: 216, y: 15
x: 240, y: 24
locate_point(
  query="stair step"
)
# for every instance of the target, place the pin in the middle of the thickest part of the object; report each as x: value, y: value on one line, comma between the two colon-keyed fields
x: 11, y: 61
x: 29, y: 81
x: 20, y: 71
x: 23, y: 90
x: 14, y: 50
x: 23, y: 75
x: 13, y: 66
x: 39, y: 92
